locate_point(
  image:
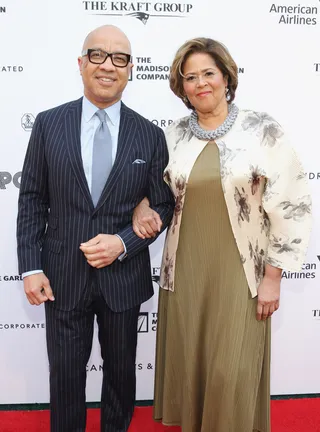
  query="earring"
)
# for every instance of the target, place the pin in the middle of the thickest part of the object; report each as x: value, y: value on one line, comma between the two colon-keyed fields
x: 228, y: 96
x: 185, y: 99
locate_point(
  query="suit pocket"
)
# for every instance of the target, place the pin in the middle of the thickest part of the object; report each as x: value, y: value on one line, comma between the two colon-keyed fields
x: 138, y: 165
x: 53, y: 245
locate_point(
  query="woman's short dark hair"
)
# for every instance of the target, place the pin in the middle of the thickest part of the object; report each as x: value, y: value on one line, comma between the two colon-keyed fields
x: 221, y: 57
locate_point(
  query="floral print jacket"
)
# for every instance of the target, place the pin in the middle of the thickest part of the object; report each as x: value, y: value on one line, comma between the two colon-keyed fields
x: 265, y: 189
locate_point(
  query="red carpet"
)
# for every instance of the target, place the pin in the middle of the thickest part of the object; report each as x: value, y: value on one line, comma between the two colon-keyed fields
x: 294, y: 415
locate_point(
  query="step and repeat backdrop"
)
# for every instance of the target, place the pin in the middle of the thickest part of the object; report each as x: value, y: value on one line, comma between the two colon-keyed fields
x: 276, y: 47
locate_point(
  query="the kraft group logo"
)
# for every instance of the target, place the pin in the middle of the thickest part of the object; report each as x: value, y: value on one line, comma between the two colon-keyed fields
x: 142, y: 11
x: 27, y: 122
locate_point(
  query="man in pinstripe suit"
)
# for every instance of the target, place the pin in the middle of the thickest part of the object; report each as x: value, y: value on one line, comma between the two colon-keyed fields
x: 82, y: 257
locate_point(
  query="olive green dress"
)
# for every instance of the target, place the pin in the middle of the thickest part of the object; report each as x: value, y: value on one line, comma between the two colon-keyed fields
x: 213, y: 356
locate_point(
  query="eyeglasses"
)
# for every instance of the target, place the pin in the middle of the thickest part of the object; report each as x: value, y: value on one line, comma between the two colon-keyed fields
x: 98, y: 56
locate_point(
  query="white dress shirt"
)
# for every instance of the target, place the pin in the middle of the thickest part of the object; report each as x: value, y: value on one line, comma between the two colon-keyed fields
x: 89, y: 125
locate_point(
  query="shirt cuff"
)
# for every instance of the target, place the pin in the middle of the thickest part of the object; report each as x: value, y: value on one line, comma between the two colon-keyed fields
x: 124, y: 254
x: 32, y: 272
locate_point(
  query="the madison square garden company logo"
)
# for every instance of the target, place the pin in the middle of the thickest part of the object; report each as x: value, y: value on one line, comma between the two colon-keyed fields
x: 148, y: 321
x: 298, y: 13
x: 143, y: 11
x: 148, y: 69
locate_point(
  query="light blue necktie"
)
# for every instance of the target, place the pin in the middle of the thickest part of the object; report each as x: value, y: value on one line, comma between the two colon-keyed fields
x: 101, y: 157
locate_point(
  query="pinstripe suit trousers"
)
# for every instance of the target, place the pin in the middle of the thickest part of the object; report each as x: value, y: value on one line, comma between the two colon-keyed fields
x: 69, y: 342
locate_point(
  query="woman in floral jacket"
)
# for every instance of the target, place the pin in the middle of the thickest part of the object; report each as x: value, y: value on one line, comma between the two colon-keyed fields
x: 243, y: 213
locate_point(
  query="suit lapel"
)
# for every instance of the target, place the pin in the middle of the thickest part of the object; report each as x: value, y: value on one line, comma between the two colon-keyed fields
x: 127, y: 130
x: 73, y: 134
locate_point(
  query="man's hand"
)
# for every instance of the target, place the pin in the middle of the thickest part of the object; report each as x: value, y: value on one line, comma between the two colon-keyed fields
x: 37, y: 288
x: 269, y: 293
x: 146, y: 223
x: 102, y: 250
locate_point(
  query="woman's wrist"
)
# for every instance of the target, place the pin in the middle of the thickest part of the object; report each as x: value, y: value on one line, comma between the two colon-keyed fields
x: 273, y: 273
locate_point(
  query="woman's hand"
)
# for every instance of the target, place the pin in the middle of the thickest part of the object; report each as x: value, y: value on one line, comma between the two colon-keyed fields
x: 146, y: 222
x: 269, y: 293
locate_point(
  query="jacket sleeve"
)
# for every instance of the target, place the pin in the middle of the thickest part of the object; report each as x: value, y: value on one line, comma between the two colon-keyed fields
x: 287, y: 202
x: 160, y: 197
x: 33, y: 203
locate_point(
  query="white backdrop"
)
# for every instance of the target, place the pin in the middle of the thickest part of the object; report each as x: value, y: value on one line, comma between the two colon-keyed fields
x: 276, y: 47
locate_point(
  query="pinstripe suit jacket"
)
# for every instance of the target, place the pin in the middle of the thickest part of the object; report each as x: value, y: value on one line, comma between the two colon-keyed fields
x: 56, y: 213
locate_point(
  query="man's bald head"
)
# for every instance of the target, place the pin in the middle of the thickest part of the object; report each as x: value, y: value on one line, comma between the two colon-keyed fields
x: 111, y: 35
x: 106, y: 75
